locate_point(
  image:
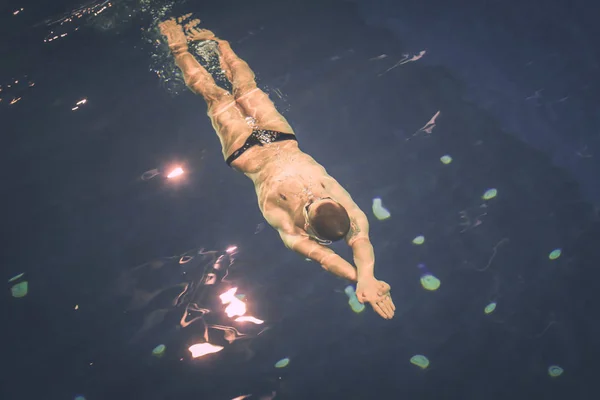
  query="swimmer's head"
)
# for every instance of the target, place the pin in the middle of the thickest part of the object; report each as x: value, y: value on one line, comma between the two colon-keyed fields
x: 326, y: 219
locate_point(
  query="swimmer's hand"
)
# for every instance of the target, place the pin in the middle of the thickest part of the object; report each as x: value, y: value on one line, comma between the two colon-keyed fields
x: 174, y: 33
x: 377, y: 293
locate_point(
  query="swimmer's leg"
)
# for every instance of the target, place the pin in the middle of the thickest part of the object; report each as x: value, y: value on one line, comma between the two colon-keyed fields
x: 200, y: 81
x: 238, y: 71
x: 195, y: 76
x: 227, y: 118
x: 195, y: 34
x: 253, y: 101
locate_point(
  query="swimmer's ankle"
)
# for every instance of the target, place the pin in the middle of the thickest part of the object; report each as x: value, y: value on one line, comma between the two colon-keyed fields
x: 178, y: 48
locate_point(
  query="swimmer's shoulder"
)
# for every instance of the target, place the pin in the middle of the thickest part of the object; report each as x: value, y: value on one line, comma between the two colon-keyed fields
x: 277, y: 213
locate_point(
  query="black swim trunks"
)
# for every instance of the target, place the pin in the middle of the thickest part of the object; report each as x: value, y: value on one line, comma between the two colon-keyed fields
x: 260, y: 137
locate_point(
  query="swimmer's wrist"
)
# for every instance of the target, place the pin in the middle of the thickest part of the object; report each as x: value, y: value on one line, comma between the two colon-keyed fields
x: 365, y: 273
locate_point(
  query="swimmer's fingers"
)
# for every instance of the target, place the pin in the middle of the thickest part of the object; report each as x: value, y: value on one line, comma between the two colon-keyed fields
x: 386, y: 298
x: 381, y: 296
x: 384, y: 308
x: 379, y: 310
x: 389, y: 306
x: 384, y: 288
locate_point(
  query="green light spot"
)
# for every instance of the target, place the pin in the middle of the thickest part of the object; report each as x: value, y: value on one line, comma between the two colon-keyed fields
x: 349, y: 290
x: 380, y: 212
x: 20, y: 289
x: 355, y: 305
x: 420, y: 361
x: 282, y: 363
x: 554, y: 254
x: 490, y: 308
x: 489, y: 194
x: 14, y: 278
x: 555, y: 371
x: 419, y: 239
x: 159, y: 350
x: 79, y: 398
x: 446, y: 159
x: 430, y: 282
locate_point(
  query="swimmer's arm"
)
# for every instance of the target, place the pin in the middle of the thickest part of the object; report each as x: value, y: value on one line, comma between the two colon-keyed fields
x: 328, y: 259
x: 358, y: 236
x: 362, y: 249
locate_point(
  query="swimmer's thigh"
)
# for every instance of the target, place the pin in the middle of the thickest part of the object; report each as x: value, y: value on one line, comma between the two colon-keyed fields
x: 256, y: 104
x: 230, y: 124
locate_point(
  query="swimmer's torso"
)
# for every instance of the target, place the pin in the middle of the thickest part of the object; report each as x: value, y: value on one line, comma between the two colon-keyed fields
x: 284, y: 177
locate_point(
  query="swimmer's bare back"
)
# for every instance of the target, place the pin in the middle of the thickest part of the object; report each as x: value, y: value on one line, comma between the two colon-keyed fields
x: 283, y: 175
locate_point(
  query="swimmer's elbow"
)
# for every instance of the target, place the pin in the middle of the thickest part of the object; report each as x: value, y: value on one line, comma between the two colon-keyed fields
x: 358, y: 240
x: 288, y: 245
x: 288, y: 240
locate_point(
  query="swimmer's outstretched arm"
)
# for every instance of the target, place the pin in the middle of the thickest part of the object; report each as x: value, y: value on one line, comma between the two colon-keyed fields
x: 358, y: 239
x: 328, y: 259
x: 358, y: 236
x: 368, y: 290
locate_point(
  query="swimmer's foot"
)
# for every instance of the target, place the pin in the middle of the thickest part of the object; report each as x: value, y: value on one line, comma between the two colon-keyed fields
x: 191, y: 24
x: 377, y: 293
x: 173, y: 31
x: 197, y: 35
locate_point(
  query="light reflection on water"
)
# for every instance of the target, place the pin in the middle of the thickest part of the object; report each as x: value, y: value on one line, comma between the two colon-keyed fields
x: 177, y: 292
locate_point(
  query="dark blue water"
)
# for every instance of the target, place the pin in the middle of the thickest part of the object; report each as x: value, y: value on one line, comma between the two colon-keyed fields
x: 517, y: 90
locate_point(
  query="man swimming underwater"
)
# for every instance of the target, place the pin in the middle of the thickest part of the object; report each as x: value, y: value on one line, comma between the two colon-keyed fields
x: 297, y: 197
